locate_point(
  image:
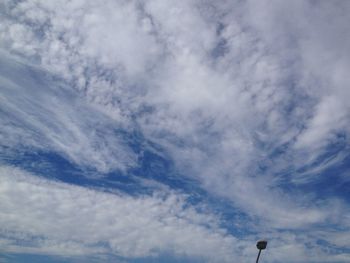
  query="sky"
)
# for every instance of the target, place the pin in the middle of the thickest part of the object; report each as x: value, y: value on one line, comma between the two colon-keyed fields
x: 174, y: 131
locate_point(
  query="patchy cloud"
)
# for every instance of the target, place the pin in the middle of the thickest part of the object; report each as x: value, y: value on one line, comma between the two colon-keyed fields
x: 248, y: 99
x: 74, y: 221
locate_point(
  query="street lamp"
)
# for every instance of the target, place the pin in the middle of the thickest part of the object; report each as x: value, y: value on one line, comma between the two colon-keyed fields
x: 261, y: 245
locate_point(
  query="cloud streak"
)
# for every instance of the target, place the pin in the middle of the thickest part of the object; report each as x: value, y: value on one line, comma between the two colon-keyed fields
x: 249, y: 99
x: 39, y: 112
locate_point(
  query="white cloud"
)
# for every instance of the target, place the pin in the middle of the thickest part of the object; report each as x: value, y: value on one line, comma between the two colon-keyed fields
x: 330, y: 117
x: 305, y: 249
x: 63, y: 219
x: 276, y: 95
x: 39, y: 216
x: 39, y: 112
x: 313, y: 37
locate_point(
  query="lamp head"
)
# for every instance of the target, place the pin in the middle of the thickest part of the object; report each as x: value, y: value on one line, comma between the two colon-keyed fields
x: 261, y: 244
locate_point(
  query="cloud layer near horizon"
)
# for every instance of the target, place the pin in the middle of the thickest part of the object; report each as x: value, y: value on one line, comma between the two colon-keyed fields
x: 79, y: 221
x: 249, y: 99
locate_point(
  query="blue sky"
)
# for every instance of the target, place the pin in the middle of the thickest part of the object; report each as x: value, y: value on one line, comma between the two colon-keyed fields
x: 174, y: 131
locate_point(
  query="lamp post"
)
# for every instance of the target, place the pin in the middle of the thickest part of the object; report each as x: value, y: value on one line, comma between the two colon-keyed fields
x: 261, y: 245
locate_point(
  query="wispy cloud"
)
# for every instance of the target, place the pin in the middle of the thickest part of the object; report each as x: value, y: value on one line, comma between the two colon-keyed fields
x: 39, y: 112
x: 247, y: 98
